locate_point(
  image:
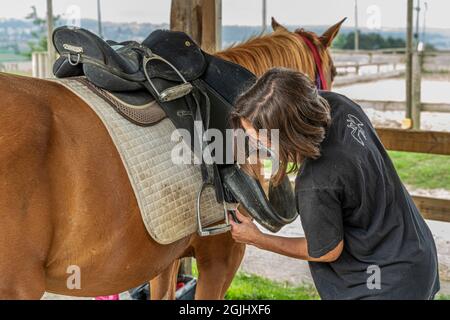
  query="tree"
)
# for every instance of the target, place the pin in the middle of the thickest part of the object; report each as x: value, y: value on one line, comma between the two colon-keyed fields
x: 368, y: 41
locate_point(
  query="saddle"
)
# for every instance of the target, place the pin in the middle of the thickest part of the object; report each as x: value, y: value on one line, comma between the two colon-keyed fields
x: 168, y: 75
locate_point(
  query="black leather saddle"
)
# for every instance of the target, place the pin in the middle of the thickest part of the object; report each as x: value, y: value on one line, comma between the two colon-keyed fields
x: 191, y: 87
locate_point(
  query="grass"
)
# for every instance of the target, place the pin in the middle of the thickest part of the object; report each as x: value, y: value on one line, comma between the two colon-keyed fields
x: 418, y: 170
x: 422, y: 170
x: 252, y: 287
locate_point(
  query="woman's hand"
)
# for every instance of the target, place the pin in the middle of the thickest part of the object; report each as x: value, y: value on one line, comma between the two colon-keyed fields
x: 245, y: 232
x: 248, y: 233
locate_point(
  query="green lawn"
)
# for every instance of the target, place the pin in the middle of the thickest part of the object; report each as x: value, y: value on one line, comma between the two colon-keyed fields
x: 251, y: 287
x: 422, y: 170
x: 425, y: 171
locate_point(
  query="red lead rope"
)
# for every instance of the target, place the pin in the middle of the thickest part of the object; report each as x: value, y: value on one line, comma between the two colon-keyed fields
x: 320, y: 80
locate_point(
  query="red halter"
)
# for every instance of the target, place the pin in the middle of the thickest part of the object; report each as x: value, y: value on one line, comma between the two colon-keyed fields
x: 321, y: 83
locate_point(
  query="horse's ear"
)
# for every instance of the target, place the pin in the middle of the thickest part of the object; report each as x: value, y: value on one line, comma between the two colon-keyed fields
x: 276, y: 26
x: 329, y: 35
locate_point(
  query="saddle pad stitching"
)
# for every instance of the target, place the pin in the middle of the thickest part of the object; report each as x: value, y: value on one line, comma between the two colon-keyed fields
x: 119, y: 106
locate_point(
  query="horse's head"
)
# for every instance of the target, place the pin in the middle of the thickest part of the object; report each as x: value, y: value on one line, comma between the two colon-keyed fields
x: 325, y: 69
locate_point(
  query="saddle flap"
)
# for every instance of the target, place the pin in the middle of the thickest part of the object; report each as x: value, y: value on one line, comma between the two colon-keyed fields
x: 273, y: 213
x: 81, y: 49
x: 227, y: 78
x: 63, y: 69
x: 180, y: 50
x: 76, y: 41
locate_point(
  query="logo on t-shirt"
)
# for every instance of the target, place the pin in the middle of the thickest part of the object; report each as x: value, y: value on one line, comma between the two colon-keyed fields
x: 356, y: 125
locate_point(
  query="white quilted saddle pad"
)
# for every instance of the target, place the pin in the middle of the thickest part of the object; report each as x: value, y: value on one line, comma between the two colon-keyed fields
x: 166, y: 192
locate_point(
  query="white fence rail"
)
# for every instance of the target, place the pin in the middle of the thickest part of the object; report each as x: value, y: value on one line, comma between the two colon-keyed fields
x: 41, y: 67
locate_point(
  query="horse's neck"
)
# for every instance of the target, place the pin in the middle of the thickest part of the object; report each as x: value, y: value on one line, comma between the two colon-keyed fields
x: 261, y: 54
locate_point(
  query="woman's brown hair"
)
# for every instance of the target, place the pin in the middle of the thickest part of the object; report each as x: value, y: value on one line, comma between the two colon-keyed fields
x: 286, y: 100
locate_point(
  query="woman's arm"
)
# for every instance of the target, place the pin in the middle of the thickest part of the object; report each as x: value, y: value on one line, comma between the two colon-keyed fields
x: 247, y: 232
x: 295, y: 248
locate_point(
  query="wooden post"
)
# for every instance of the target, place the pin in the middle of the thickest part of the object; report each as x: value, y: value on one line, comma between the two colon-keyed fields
x: 99, y: 19
x: 356, y: 27
x: 264, y: 16
x: 409, y: 66
x: 50, y: 49
x: 185, y: 16
x: 416, y: 89
x: 211, y: 25
x: 201, y: 19
x: 39, y: 64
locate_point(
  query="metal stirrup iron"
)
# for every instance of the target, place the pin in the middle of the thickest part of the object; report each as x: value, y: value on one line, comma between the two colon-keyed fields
x: 172, y: 93
x: 218, y: 229
x: 208, y: 183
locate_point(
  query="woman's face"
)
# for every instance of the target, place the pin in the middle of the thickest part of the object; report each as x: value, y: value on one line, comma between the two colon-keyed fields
x: 253, y: 133
x: 260, y: 150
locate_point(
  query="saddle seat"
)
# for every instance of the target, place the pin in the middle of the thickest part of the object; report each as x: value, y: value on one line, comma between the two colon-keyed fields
x: 134, y: 82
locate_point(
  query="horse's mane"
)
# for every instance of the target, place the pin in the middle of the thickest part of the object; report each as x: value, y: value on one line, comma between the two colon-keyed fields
x: 278, y: 49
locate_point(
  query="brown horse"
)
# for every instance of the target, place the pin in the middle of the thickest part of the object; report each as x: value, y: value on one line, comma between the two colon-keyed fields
x: 65, y: 200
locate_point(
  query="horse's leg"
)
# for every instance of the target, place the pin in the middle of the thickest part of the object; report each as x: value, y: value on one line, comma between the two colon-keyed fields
x: 24, y: 247
x: 22, y: 274
x: 21, y: 280
x: 218, y: 259
x: 163, y: 286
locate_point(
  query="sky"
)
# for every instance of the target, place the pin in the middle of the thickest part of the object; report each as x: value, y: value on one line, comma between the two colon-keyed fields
x: 372, y: 13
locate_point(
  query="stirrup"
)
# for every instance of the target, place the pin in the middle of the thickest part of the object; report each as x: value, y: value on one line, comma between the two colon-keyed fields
x: 218, y: 229
x: 172, y: 93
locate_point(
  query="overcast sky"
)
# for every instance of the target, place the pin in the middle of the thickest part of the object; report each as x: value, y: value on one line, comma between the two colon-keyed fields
x: 374, y: 13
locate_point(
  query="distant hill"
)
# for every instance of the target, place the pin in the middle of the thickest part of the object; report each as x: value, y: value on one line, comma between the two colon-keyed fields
x: 438, y: 38
x: 15, y: 34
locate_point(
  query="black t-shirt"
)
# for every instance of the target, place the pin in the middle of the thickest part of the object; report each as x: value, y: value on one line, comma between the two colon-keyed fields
x: 353, y: 193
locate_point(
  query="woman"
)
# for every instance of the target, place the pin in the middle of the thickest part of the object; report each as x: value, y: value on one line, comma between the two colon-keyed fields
x: 364, y: 237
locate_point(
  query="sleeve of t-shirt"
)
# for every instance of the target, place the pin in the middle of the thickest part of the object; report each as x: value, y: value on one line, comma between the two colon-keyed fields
x: 321, y: 216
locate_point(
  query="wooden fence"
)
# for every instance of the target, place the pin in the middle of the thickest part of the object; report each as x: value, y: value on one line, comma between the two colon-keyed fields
x: 431, y: 142
x: 416, y: 63
x: 388, y: 105
x: 40, y: 65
